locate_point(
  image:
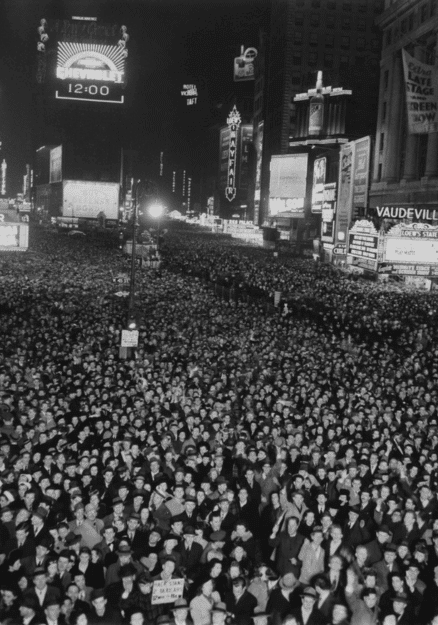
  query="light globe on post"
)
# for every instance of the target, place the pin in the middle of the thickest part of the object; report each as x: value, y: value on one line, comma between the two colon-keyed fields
x: 156, y: 210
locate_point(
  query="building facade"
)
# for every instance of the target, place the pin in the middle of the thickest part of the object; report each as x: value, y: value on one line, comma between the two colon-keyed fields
x: 405, y: 165
x: 339, y: 38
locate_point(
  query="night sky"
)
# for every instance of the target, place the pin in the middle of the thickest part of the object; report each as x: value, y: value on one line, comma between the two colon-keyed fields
x: 172, y: 42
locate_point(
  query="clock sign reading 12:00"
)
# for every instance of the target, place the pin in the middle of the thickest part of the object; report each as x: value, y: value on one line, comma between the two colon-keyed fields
x: 90, y: 72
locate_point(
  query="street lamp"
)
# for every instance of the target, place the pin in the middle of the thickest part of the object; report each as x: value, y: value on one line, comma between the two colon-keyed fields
x: 133, y: 257
x: 156, y: 210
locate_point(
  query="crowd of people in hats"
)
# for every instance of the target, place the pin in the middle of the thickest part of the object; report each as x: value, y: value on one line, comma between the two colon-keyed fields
x: 241, y: 466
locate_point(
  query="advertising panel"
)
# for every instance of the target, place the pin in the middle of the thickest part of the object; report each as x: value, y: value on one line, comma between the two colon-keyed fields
x: 328, y: 212
x: 343, y: 212
x: 56, y: 164
x: 421, y: 86
x: 364, y: 241
x: 287, y: 188
x: 244, y: 65
x: 412, y: 245
x: 404, y: 250
x: 319, y: 173
x: 224, y: 147
x: 361, y: 172
x: 88, y: 199
x: 246, y: 132
x: 258, y: 175
x: 405, y: 269
x: 14, y: 237
x: 90, y: 72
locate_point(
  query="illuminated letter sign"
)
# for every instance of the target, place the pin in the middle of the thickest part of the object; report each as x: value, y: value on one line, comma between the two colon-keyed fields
x: 91, y: 72
x: 3, y: 177
x: 233, y: 122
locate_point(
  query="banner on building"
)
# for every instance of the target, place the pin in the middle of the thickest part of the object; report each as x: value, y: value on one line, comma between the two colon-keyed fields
x: 319, y: 173
x: 361, y: 173
x: 258, y: 176
x: 344, y: 204
x: 421, y: 85
x: 246, y: 135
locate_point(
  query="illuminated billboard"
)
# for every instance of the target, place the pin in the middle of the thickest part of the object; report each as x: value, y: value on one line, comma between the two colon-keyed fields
x: 404, y: 250
x: 287, y: 188
x: 56, y: 164
x: 411, y: 246
x: 88, y: 199
x: 319, y: 173
x: 14, y: 237
x: 90, y: 72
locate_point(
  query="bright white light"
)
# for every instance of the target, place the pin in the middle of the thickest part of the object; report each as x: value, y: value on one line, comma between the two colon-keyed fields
x: 156, y: 210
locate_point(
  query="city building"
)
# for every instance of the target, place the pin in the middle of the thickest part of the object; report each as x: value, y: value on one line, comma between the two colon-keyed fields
x: 405, y: 164
x: 339, y: 38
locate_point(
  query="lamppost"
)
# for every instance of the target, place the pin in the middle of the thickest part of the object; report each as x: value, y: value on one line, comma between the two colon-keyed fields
x: 131, y: 306
x: 156, y: 210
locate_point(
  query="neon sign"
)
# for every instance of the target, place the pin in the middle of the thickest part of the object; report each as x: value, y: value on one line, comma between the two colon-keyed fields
x: 233, y: 122
x: 3, y: 177
x: 191, y: 93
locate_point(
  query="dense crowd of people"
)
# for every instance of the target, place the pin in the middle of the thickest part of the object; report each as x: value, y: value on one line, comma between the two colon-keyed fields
x: 242, y: 465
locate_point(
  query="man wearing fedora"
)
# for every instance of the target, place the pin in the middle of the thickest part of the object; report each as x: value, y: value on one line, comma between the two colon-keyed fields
x: 124, y: 554
x: 28, y: 611
x: 41, y: 590
x: 180, y: 612
x: 219, y: 613
x: 38, y: 521
x: 42, y: 550
x: 308, y: 613
x: 101, y: 613
x: 284, y: 597
x: 190, y: 552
